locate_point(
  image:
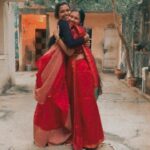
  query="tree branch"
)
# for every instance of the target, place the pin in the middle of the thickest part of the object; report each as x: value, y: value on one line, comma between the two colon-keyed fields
x: 122, y: 39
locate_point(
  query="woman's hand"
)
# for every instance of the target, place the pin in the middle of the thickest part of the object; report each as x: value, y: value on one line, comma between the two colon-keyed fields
x: 88, y: 43
x: 86, y: 37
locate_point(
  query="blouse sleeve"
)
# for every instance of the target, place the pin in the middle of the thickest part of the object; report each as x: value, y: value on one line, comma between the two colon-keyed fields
x: 65, y: 33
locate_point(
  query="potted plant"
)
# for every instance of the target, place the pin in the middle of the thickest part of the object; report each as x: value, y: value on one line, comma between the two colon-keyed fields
x: 119, y: 73
x: 131, y: 81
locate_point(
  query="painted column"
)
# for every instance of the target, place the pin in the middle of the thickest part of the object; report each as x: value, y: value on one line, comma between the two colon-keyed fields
x: 3, y: 62
x: 7, y: 47
x: 9, y: 38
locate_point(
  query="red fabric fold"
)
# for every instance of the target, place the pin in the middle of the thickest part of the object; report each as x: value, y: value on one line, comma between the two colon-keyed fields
x: 52, y: 115
x: 83, y: 78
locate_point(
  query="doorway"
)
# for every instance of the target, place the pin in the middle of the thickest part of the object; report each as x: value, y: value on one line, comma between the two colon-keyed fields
x: 40, y: 42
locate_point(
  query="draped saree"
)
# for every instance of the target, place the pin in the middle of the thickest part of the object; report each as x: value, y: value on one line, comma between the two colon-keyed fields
x: 55, y: 80
x: 83, y: 80
x: 52, y: 114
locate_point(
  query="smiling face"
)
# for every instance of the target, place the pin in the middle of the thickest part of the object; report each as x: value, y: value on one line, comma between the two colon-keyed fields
x: 64, y: 12
x: 75, y: 17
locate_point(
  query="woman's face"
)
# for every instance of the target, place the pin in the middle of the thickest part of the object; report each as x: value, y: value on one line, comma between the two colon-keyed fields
x: 75, y: 17
x: 64, y: 12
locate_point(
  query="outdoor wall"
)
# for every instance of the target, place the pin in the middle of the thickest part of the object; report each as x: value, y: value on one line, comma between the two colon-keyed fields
x: 52, y: 23
x: 29, y: 23
x: 98, y: 22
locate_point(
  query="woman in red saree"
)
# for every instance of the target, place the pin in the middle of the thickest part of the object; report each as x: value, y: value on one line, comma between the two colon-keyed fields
x: 52, y: 123
x: 83, y: 85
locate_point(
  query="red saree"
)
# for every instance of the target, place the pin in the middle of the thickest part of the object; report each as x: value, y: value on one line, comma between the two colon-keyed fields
x: 51, y: 119
x: 83, y: 79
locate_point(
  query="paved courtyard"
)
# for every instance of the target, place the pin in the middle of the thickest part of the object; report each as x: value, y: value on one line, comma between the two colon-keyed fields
x: 125, y: 116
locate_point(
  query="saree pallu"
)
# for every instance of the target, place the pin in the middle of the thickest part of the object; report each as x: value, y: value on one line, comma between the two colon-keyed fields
x: 52, y: 115
x: 87, y: 127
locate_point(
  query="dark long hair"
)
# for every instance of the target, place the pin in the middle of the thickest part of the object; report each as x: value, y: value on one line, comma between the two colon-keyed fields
x: 57, y: 8
x: 82, y: 16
